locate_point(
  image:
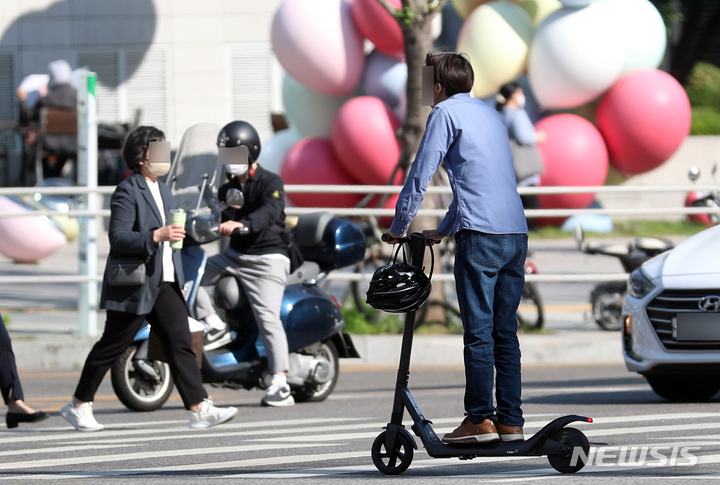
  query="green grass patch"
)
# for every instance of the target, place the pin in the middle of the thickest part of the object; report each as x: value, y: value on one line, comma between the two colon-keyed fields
x: 703, y: 89
x: 655, y: 228
x: 6, y: 320
x: 372, y: 322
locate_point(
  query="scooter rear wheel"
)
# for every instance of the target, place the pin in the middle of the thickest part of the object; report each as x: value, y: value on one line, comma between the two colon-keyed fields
x: 137, y: 390
x: 573, y: 438
x: 395, y: 461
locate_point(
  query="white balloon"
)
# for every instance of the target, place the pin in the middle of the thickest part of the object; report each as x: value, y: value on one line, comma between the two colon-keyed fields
x: 273, y: 152
x: 575, y: 57
x: 575, y: 3
x: 642, y: 27
x: 384, y: 77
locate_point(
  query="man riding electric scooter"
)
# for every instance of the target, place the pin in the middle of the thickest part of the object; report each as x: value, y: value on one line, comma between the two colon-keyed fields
x: 257, y: 255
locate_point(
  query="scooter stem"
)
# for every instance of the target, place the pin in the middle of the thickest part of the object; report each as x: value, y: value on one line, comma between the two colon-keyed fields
x: 417, y: 255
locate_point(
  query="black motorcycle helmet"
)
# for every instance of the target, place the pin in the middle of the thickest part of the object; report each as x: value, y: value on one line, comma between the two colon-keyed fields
x: 240, y: 133
x: 398, y: 288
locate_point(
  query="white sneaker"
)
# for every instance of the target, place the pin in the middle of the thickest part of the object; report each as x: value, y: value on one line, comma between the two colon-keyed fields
x: 81, y: 417
x: 278, y: 395
x: 210, y: 415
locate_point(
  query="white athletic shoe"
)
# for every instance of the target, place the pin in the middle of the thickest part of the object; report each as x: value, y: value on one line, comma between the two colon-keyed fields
x: 278, y: 395
x: 81, y: 417
x: 210, y: 415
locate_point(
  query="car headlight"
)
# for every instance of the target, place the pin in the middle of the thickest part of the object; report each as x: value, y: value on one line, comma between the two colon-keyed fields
x: 639, y: 285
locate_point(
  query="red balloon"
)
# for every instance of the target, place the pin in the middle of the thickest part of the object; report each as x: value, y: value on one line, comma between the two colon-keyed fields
x: 379, y: 27
x: 363, y: 136
x: 644, y: 118
x: 312, y: 161
x: 390, y: 203
x: 574, y: 154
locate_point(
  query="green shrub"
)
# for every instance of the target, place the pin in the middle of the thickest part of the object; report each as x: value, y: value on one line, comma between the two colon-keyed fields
x: 377, y: 322
x: 705, y: 121
x: 703, y: 89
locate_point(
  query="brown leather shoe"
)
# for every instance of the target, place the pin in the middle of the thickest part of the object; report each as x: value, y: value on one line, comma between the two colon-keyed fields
x: 510, y: 433
x: 469, y: 432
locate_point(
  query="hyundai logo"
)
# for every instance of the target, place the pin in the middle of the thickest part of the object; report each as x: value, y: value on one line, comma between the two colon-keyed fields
x: 710, y: 304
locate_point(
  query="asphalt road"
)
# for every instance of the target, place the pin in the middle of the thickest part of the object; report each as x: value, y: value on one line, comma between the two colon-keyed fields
x: 330, y: 441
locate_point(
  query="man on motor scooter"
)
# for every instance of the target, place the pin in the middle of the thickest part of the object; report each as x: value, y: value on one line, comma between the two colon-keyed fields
x: 257, y: 254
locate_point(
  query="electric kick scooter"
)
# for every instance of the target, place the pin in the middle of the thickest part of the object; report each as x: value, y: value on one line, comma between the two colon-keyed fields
x: 392, y: 450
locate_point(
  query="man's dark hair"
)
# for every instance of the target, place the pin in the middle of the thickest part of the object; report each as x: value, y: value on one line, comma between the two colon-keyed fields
x: 137, y: 144
x: 453, y: 71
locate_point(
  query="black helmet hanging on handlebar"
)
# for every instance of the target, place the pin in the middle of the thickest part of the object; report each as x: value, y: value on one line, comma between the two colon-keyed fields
x: 399, y: 287
x: 240, y: 133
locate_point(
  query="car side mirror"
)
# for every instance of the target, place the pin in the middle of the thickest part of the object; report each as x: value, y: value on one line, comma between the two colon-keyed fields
x: 234, y: 197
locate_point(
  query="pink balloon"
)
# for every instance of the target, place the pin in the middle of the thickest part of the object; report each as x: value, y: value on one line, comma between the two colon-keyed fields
x: 27, y: 239
x: 379, y: 27
x: 312, y: 161
x: 644, y: 119
x: 574, y: 154
x: 318, y: 44
x: 363, y: 135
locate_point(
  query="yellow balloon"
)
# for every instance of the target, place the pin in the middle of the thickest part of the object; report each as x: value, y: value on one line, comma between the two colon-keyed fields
x: 464, y: 7
x: 539, y: 9
x: 496, y: 36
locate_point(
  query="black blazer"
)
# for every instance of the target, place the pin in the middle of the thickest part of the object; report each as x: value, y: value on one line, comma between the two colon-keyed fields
x: 133, y: 218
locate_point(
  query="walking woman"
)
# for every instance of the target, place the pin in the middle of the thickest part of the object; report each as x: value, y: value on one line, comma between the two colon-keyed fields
x: 148, y: 287
x: 12, y: 393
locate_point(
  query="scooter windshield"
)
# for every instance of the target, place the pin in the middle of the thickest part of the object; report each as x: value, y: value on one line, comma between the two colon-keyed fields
x: 193, y: 180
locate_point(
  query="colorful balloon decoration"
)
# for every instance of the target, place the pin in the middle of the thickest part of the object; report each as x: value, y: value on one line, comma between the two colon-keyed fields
x: 363, y: 137
x: 273, y: 152
x: 539, y: 9
x: 644, y: 119
x: 575, y: 56
x: 576, y: 3
x: 317, y: 43
x: 642, y: 26
x: 309, y: 112
x: 384, y: 77
x: 313, y: 161
x: 464, y: 7
x: 496, y: 36
x: 379, y: 27
x: 574, y: 154
x: 27, y: 239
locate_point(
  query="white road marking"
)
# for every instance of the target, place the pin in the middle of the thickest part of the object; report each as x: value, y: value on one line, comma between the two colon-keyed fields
x: 60, y: 449
x: 143, y: 456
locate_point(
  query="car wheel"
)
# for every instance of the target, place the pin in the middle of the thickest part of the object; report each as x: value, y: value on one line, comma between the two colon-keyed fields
x: 684, y: 387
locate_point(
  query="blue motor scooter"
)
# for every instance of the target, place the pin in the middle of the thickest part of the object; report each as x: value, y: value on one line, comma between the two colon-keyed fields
x: 313, y: 319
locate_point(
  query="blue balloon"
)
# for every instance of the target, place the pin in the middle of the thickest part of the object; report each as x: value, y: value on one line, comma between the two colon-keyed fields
x: 384, y: 77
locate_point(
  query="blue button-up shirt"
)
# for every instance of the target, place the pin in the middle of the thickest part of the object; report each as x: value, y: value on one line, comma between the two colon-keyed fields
x: 472, y: 140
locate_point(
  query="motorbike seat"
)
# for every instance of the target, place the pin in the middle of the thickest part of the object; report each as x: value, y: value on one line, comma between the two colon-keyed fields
x: 311, y: 227
x: 308, y: 271
x: 617, y: 250
x: 652, y: 244
x: 229, y: 295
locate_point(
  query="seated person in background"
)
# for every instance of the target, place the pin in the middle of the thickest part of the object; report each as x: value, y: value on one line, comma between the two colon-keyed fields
x: 60, y: 94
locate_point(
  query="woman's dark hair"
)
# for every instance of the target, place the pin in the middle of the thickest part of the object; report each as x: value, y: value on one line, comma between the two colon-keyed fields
x: 453, y: 71
x: 137, y: 144
x: 506, y: 92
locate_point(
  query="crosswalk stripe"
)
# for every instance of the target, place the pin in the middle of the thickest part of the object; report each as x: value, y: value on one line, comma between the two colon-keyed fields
x: 144, y: 456
x: 60, y: 449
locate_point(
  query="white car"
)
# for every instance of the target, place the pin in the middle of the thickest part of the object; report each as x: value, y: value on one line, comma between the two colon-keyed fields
x: 671, y: 320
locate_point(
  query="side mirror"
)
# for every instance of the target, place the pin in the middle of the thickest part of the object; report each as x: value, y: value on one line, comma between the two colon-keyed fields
x: 694, y: 173
x: 579, y: 235
x: 234, y: 198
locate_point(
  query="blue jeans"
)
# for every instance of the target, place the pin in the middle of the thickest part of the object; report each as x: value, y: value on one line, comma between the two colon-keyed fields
x: 489, y: 277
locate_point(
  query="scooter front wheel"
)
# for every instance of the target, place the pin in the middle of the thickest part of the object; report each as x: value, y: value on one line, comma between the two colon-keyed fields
x: 395, y: 461
x: 573, y: 460
x: 141, y: 385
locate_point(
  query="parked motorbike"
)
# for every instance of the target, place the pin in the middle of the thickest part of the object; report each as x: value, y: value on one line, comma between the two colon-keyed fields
x: 312, y: 319
x: 607, y: 298
x: 702, y: 198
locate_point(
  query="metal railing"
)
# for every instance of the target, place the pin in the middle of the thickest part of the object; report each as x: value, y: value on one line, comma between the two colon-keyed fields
x: 85, y: 192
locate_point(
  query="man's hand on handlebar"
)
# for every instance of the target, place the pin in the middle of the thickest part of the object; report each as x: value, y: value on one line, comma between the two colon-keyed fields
x: 433, y: 235
x: 392, y: 238
x: 228, y: 227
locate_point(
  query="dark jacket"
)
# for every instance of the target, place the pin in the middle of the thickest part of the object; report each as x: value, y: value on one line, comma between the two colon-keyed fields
x: 133, y: 218
x: 59, y: 96
x: 264, y: 208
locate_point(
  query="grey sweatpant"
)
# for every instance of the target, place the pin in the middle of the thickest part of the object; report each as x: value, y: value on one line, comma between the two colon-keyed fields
x: 263, y: 279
